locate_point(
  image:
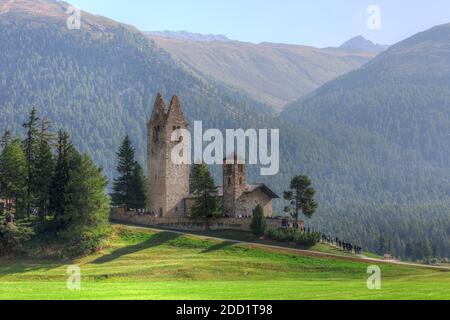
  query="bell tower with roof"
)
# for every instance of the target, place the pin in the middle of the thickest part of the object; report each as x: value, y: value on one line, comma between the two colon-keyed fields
x: 168, y: 182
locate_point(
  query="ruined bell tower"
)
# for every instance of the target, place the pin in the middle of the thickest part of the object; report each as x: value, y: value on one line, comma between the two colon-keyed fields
x: 168, y: 182
x: 234, y: 184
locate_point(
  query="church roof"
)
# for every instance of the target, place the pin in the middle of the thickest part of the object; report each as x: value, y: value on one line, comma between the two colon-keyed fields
x: 263, y: 188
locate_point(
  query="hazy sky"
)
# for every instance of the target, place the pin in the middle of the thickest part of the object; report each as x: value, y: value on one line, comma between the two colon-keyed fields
x: 312, y: 22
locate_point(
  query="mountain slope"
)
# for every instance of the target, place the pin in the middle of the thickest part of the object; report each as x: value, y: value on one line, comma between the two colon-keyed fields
x: 402, y: 97
x: 271, y: 73
x: 392, y: 119
x: 97, y: 82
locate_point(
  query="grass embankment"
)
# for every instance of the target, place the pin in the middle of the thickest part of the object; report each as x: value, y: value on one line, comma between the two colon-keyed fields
x: 144, y: 264
x: 249, y: 237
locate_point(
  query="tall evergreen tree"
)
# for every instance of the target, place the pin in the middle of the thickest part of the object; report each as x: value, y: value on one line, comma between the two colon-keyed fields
x: 139, y: 188
x: 129, y: 188
x: 45, y: 168
x: 194, y: 174
x: 31, y: 145
x: 13, y: 176
x: 66, y: 156
x: 206, y: 205
x: 85, y: 222
x: 301, y: 197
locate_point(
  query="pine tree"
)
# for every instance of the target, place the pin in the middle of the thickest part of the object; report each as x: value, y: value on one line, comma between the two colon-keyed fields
x: 66, y: 160
x: 31, y: 145
x: 194, y: 174
x: 259, y: 224
x: 139, y: 188
x: 45, y: 168
x: 86, y: 209
x: 13, y: 176
x: 123, y: 185
x: 301, y: 197
x: 206, y: 205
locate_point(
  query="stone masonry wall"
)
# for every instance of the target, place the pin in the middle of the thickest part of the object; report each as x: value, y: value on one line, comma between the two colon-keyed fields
x: 184, y: 224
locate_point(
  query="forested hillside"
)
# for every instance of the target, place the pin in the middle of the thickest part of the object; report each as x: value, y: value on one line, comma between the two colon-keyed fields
x: 99, y: 84
x: 360, y: 147
x: 392, y: 118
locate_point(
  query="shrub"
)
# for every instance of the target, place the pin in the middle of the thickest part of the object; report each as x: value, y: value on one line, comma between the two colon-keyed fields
x: 12, y: 234
x: 258, y: 225
x: 291, y: 235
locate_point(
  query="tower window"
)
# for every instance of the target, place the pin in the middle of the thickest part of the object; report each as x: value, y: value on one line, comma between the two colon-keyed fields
x: 175, y: 128
x: 240, y: 181
x: 229, y: 181
x: 241, y: 168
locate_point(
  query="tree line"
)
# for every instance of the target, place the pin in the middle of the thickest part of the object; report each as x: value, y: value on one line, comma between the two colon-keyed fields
x: 49, y: 189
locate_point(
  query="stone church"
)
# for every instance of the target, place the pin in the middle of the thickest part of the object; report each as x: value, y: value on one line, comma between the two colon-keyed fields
x: 169, y: 194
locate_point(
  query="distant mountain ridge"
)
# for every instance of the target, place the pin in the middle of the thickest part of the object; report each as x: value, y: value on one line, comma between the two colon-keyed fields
x: 184, y: 35
x: 271, y: 73
x: 360, y: 43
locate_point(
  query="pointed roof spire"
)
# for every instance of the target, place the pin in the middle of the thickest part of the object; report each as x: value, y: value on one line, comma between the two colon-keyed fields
x: 175, y: 105
x: 175, y: 111
x: 160, y: 105
x: 159, y: 108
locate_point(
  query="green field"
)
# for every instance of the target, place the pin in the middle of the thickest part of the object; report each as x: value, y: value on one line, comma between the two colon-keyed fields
x: 144, y: 264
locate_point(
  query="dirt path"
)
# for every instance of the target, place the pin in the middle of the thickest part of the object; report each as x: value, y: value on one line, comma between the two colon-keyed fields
x: 360, y: 258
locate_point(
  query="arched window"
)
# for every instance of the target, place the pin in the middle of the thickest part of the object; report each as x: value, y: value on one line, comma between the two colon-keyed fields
x: 229, y: 181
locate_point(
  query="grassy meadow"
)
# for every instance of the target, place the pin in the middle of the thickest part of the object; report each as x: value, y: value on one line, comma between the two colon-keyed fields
x: 145, y: 264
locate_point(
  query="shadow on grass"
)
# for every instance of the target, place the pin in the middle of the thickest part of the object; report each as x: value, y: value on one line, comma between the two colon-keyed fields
x: 155, y: 241
x: 14, y: 267
x: 219, y: 246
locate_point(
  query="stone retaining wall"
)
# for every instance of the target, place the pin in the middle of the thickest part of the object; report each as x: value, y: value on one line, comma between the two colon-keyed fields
x: 183, y: 223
